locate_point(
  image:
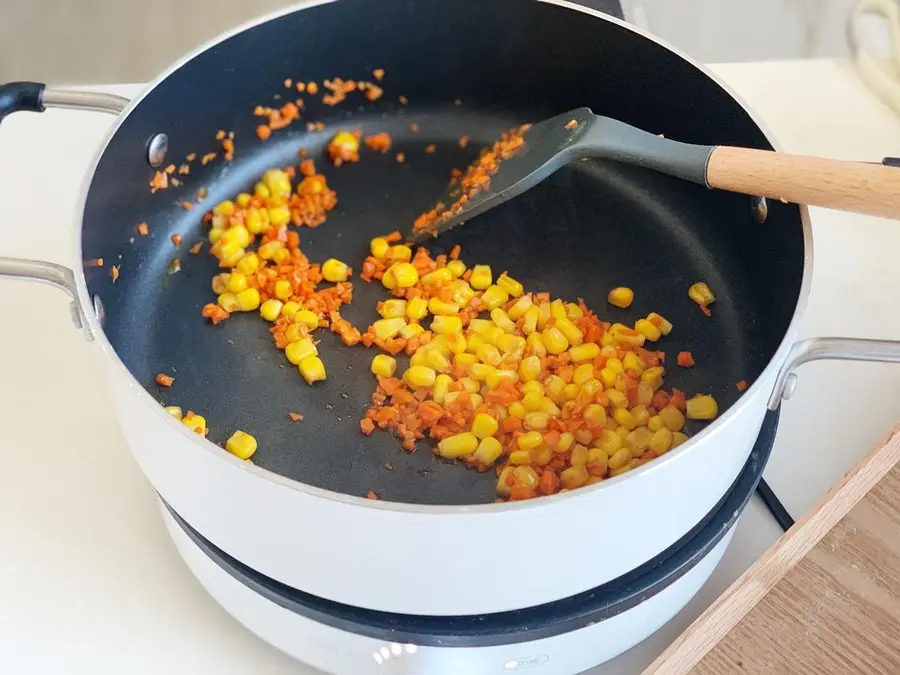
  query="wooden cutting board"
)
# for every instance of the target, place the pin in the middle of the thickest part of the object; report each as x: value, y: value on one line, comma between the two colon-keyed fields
x: 824, y: 599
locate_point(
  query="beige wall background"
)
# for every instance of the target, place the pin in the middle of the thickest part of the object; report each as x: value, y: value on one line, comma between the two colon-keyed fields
x: 85, y: 41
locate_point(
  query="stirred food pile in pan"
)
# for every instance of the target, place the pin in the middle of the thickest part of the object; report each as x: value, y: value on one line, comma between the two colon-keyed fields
x: 540, y: 389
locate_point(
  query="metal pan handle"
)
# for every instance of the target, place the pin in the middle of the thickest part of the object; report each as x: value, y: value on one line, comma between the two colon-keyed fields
x: 829, y: 349
x: 37, y: 97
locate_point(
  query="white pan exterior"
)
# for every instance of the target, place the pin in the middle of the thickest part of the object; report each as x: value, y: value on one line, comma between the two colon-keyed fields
x: 431, y: 559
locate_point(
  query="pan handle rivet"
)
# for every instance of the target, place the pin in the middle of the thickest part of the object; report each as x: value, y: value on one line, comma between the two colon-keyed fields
x: 760, y: 208
x: 157, y: 148
x: 790, y: 385
x: 99, y: 310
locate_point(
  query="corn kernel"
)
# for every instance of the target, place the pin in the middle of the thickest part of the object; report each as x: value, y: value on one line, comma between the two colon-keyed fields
x: 404, y: 275
x: 416, y: 308
x: 271, y: 309
x: 469, y: 384
x: 583, y: 436
x: 651, y: 332
x: 236, y: 283
x: 617, y: 399
x: 583, y: 373
x: 434, y: 359
x: 641, y: 415
x: 653, y: 377
x: 384, y: 365
x: 440, y: 308
x: 702, y: 408
x: 623, y: 417
x: 526, y: 475
x: 306, y: 318
x: 502, y: 320
x: 566, y: 441
x: 678, y: 438
x: 334, y: 270
x: 520, y: 307
x: 701, y: 294
x: 480, y: 371
x: 517, y: 410
x: 464, y: 360
x: 544, y: 315
x: 299, y: 350
x: 461, y: 293
x: 530, y: 440
x: 595, y: 413
x: 570, y: 392
x: 620, y: 297
x: 661, y: 441
x: 610, y: 441
x: 283, y: 289
x: 626, y: 336
x: 438, y: 277
x: 194, y: 422
x: 237, y: 235
x: 419, y: 376
x: 379, y: 247
x: 498, y: 377
x: 174, y: 411
x: 456, y: 342
x: 665, y: 327
x: 458, y: 445
x: 535, y: 343
x: 267, y: 251
x: 484, y: 425
x: 492, y: 335
x: 537, y: 420
x: 278, y: 182
x: 444, y: 325
x: 585, y: 352
x: 655, y: 423
x: 597, y: 461
x: 529, y: 368
x: 631, y: 361
x: 638, y: 441
x: 532, y: 401
x: 573, y: 312
x: 591, y: 388
x: 220, y: 283
x: 489, y: 354
x: 410, y: 330
x: 621, y: 458
x: 511, y: 344
x: 608, y: 377
x: 489, y: 451
x: 442, y: 384
x: 510, y: 285
x: 554, y: 386
x: 503, y: 487
x: 574, y: 477
x: 256, y: 221
x: 554, y: 340
x: 294, y: 332
x: 533, y: 387
x: 457, y: 268
x: 279, y: 216
x: 672, y: 418
x: 400, y: 253
x: 494, y: 297
x: 289, y: 309
x: 531, y: 316
x: 393, y: 309
x: 558, y: 309
x: 385, y: 329
x: 481, y: 277
x: 248, y: 299
x: 241, y: 444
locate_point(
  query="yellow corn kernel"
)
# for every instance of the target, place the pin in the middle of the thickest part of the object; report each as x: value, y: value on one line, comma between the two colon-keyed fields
x: 517, y: 410
x: 661, y: 441
x: 615, y: 364
x: 281, y: 255
x: 237, y: 235
x: 644, y: 394
x: 434, y: 359
x: 554, y: 340
x: 271, y: 309
x: 608, y: 377
x: 592, y: 387
x: 215, y: 235
x: 194, y: 422
x: 511, y: 344
x: 489, y: 451
x: 283, y: 289
x: 702, y: 408
x: 400, y: 253
x: 480, y: 371
x: 672, y: 418
x: 442, y: 384
x: 299, y: 350
x: 495, y: 379
x: 484, y: 425
x: 312, y: 369
x: 458, y: 445
x: 464, y: 360
x: 438, y: 277
x: 678, y: 438
x: 444, y: 325
x: 655, y: 423
x: 256, y: 222
x: 501, y: 320
x: 566, y: 441
x: 307, y: 318
x: 419, y: 376
x: 574, y: 477
x: 525, y: 475
x: 220, y: 283
x: 519, y: 457
x: 529, y: 368
x: 243, y: 200
x: 415, y: 309
x: 295, y: 332
x: 583, y: 373
x: 247, y: 300
x: 379, y: 247
x: 622, y: 432
x: 510, y: 285
x: 261, y: 191
x: 558, y: 309
x: 597, y: 461
x: 457, y: 268
x: 621, y: 458
x: 585, y: 352
x: 492, y: 335
x: 410, y: 330
x: 289, y: 309
x: 638, y: 441
x: 641, y: 415
x: 225, y: 208
x: 334, y: 270
x: 623, y: 418
x: 531, y: 316
x: 249, y: 264
x: 573, y: 312
x: 473, y: 342
x: 701, y: 294
x: 236, y: 283
x: 278, y: 182
x: 535, y: 344
x: 530, y: 440
x: 653, y: 377
x: 544, y: 315
x: 520, y: 307
x: 537, y: 420
x: 610, y: 441
x: 504, y: 479
x: 570, y: 392
x: 549, y: 407
x: 174, y: 411
x: 542, y: 455
x: 595, y: 413
x: 456, y: 343
x: 385, y: 329
x: 665, y: 327
x: 384, y: 365
x: 481, y: 277
x: 393, y: 309
x: 554, y: 386
x: 267, y: 251
x: 279, y: 216
x: 489, y: 354
x: 440, y: 308
x: 403, y: 275
x: 480, y: 326
x: 626, y: 336
x: 494, y: 297
x: 533, y: 387
x: 631, y: 361
x: 620, y: 297
x: 532, y: 401
x: 570, y: 330
x: 583, y: 436
x: 241, y: 444
x: 650, y: 331
x: 469, y: 384
x: 461, y: 293
x: 617, y: 398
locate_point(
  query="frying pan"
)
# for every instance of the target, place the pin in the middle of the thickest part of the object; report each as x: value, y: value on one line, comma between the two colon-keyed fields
x: 468, y: 68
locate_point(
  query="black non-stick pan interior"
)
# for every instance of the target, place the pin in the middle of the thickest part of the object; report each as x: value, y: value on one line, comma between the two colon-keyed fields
x: 470, y: 68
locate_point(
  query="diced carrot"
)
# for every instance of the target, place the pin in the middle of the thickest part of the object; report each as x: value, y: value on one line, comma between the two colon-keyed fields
x: 549, y: 483
x: 685, y: 360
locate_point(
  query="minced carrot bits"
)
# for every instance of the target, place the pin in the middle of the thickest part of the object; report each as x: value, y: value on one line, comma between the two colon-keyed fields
x: 295, y: 417
x: 176, y: 239
x: 414, y: 128
x: 571, y: 124
x: 160, y: 181
x: 164, y: 380
x: 403, y: 100
x: 401, y: 157
x: 195, y: 249
x: 207, y: 158
x: 114, y: 273
x: 143, y: 229
x: 378, y: 74
x: 380, y: 142
x: 463, y: 141
x: 685, y: 360
x: 430, y: 149
x: 742, y: 385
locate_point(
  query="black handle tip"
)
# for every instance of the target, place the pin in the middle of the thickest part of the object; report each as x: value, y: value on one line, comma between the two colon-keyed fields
x: 18, y: 96
x: 891, y: 161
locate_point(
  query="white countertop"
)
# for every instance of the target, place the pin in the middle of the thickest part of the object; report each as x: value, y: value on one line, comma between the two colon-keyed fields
x: 89, y: 581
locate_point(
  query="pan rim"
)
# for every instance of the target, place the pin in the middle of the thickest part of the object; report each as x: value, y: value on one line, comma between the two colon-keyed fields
x: 708, y: 434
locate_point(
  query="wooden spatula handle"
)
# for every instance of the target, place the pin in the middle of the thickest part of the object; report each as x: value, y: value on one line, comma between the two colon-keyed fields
x: 873, y: 189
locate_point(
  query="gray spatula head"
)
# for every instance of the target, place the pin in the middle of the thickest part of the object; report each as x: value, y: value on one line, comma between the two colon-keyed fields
x: 555, y: 142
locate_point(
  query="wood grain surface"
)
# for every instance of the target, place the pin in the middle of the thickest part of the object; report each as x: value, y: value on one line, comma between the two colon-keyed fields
x: 859, y: 187
x: 824, y: 599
